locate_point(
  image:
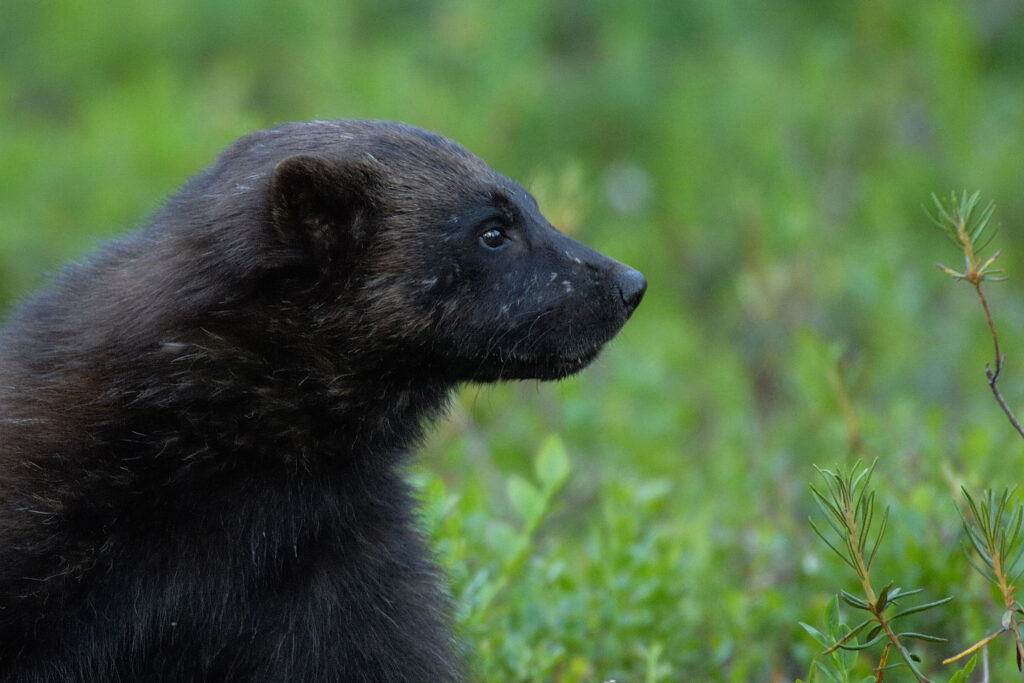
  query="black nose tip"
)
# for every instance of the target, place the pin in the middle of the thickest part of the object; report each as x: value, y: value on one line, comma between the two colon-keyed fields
x: 632, y: 285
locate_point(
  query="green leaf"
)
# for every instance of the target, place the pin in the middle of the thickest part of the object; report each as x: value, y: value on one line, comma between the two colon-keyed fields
x: 526, y: 499
x: 923, y: 636
x: 501, y: 537
x: 898, y: 594
x: 827, y: 542
x: 919, y: 608
x: 816, y: 634
x: 552, y: 463
x: 863, y: 646
x: 883, y: 597
x: 832, y: 618
x: 962, y: 675
x: 853, y: 600
x: 827, y: 672
x: 830, y: 509
x: 878, y: 538
x: 982, y: 221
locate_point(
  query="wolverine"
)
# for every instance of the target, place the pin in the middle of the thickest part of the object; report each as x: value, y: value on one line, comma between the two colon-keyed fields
x: 203, y: 425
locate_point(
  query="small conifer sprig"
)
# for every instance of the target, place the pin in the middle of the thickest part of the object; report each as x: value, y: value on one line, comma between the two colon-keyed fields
x: 848, y: 505
x: 995, y: 531
x: 965, y: 225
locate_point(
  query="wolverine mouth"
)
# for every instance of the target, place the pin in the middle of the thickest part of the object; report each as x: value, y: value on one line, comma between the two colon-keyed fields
x: 518, y: 366
x: 536, y: 351
x: 565, y: 367
x: 549, y: 368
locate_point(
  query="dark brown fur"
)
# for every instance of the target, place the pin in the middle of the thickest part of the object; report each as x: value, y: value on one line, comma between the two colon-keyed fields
x: 202, y: 426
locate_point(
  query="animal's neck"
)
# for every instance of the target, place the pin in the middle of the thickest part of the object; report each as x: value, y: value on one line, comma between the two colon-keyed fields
x: 313, y: 409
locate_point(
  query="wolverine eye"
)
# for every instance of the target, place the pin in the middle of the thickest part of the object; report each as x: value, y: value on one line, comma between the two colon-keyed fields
x: 493, y: 238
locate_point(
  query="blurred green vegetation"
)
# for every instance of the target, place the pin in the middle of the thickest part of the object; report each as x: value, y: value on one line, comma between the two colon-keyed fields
x: 764, y: 164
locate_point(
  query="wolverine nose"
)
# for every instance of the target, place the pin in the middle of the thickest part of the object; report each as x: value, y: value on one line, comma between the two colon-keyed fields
x: 632, y: 285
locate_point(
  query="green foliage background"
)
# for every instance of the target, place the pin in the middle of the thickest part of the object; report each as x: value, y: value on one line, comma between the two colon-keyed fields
x: 764, y: 164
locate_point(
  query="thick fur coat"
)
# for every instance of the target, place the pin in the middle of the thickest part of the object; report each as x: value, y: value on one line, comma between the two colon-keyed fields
x: 202, y: 426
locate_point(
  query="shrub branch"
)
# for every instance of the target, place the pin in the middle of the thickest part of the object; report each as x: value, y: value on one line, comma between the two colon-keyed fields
x: 995, y: 530
x: 965, y: 227
x: 848, y: 504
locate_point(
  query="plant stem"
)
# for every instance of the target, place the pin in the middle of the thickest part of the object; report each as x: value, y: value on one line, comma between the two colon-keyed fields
x: 880, y: 669
x: 1007, y: 590
x: 899, y: 646
x: 980, y: 645
x: 991, y: 326
x: 876, y: 610
x: 993, y: 375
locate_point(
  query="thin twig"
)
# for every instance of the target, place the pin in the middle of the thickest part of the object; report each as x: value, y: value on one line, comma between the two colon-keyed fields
x: 993, y: 375
x: 880, y: 669
x: 983, y: 643
x: 991, y: 326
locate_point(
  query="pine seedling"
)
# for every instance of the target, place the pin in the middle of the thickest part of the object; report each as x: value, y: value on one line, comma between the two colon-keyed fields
x: 848, y: 505
x: 965, y: 225
x: 995, y: 531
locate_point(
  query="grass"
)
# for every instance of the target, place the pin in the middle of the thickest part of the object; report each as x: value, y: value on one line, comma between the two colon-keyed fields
x: 763, y: 164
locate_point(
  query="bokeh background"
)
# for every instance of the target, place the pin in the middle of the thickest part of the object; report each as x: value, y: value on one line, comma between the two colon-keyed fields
x: 765, y: 165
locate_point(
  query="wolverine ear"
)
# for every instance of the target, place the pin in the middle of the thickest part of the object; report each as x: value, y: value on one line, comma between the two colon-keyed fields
x: 324, y: 207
